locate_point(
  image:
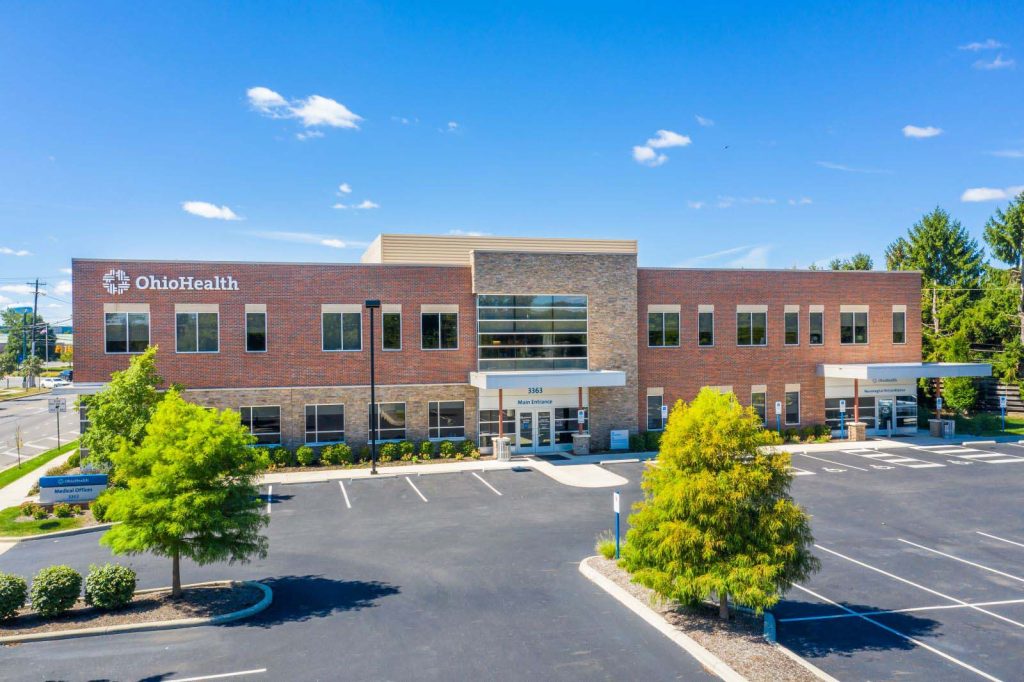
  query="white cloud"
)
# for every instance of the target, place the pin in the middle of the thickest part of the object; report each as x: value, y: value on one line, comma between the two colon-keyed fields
x: 706, y: 122
x: 404, y: 120
x: 696, y: 204
x: 756, y: 257
x: 22, y: 289
x: 918, y: 132
x: 850, y: 169
x: 452, y: 126
x: 467, y: 233
x: 746, y: 256
x: 995, y: 64
x: 729, y: 202
x: 1009, y: 153
x: 55, y: 305
x: 63, y: 288
x: 990, y: 44
x: 668, y: 138
x: 367, y: 204
x: 648, y: 156
x: 802, y: 201
x: 976, y: 194
x: 265, y: 100
x: 340, y: 206
x: 345, y: 188
x: 205, y: 209
x: 308, y: 135
x: 66, y: 271
x: 312, y: 111
x: 8, y: 251
x: 308, y: 238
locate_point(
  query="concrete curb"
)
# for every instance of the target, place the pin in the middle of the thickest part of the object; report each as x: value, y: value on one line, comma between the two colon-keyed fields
x: 59, y: 533
x: 268, y: 597
x: 977, y: 442
x: 707, y: 659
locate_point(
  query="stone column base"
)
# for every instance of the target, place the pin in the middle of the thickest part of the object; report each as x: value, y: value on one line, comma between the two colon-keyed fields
x: 581, y: 443
x: 856, y: 431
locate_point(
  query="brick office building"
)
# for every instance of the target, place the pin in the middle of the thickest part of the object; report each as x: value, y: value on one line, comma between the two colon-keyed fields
x: 535, y: 328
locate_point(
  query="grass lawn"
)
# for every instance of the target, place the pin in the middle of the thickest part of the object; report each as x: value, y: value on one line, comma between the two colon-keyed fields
x: 11, y: 526
x: 980, y: 424
x: 7, y: 476
x: 14, y: 393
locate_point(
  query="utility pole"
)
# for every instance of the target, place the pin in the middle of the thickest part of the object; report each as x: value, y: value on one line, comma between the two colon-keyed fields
x: 35, y: 311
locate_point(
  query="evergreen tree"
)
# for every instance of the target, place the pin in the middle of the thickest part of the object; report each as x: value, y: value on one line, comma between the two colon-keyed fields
x: 717, y: 516
x: 1004, y: 234
x: 190, y: 489
x: 858, y: 261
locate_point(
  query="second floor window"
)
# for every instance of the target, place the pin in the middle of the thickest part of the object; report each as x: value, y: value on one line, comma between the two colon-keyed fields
x: 255, y: 332
x: 126, y: 332
x: 899, y: 326
x: 816, y: 323
x: 342, y: 331
x: 751, y: 329
x: 440, y: 331
x: 198, y: 332
x: 391, y: 331
x: 706, y: 328
x: 853, y: 327
x: 792, y: 320
x: 662, y: 329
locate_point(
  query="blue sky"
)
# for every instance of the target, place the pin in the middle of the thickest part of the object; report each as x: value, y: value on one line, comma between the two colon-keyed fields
x: 785, y: 129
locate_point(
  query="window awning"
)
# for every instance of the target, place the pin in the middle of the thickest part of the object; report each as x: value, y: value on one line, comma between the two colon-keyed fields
x: 547, y: 379
x: 905, y: 370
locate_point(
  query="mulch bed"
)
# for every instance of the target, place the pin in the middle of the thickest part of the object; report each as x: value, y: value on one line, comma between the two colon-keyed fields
x: 739, y: 641
x: 380, y: 464
x: 196, y: 602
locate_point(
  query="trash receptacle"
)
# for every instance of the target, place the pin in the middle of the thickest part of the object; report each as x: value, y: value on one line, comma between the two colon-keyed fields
x: 935, y: 428
x: 948, y: 428
x: 502, y: 449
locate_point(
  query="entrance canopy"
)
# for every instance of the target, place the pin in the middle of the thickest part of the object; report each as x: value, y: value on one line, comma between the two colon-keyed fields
x: 542, y: 379
x: 894, y: 371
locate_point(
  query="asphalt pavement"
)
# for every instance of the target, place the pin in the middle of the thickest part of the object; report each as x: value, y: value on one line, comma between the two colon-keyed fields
x: 38, y: 427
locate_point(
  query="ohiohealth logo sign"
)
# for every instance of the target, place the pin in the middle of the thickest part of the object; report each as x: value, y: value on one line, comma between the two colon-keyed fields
x: 117, y: 282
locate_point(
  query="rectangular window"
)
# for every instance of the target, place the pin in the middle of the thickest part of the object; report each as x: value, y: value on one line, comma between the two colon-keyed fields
x: 817, y: 329
x: 567, y: 423
x: 751, y: 329
x: 759, y: 401
x: 446, y: 419
x: 390, y: 421
x: 792, y: 407
x: 440, y: 331
x: 662, y: 329
x: 255, y: 332
x: 391, y: 331
x: 126, y: 332
x: 325, y: 423
x: 342, y: 331
x: 792, y: 320
x: 264, y: 422
x: 706, y: 328
x: 899, y: 326
x: 489, y: 426
x: 654, y: 420
x: 853, y: 327
x: 198, y: 332
x: 532, y: 332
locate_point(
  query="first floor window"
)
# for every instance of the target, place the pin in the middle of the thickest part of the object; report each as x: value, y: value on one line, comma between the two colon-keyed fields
x: 440, y: 331
x: 835, y: 418
x: 792, y: 407
x: 751, y: 329
x: 198, y: 332
x: 816, y: 323
x: 446, y: 419
x: 325, y: 423
x: 759, y: 401
x: 264, y: 422
x: 390, y: 421
x: 255, y: 332
x: 342, y: 331
x: 792, y: 321
x: 126, y: 332
x: 705, y: 329
x: 489, y: 426
x: 662, y: 329
x: 391, y: 331
x: 654, y: 420
x: 853, y: 328
x: 567, y: 423
x: 899, y: 326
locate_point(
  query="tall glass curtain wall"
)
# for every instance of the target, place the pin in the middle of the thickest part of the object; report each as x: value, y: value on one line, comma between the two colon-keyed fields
x: 532, y: 332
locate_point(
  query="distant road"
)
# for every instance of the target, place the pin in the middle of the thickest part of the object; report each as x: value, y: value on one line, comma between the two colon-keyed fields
x: 38, y: 427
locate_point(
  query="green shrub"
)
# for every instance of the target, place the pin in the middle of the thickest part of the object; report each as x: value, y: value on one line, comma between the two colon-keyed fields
x: 281, y: 456
x: 63, y: 510
x: 790, y: 435
x: 74, y: 460
x: 27, y: 508
x: 605, y: 545
x: 652, y: 441
x: 637, y: 442
x: 55, y: 589
x: 110, y: 586
x: 807, y: 433
x: 364, y: 453
x: 98, y: 508
x: 58, y: 470
x: 343, y: 453
x: 459, y: 456
x: 388, y: 452
x: 406, y: 450
x: 13, y: 592
x: 447, y: 449
x: 40, y: 513
x: 426, y: 449
x: 77, y: 510
x: 307, y: 456
x: 467, y: 447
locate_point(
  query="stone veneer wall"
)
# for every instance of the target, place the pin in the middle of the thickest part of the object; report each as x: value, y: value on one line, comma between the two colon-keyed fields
x: 356, y: 400
x: 610, y: 283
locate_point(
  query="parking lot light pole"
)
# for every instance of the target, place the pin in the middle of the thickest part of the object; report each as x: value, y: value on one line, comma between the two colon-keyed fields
x: 371, y: 305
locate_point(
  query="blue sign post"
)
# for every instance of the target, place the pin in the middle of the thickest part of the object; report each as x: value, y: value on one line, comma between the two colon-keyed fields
x: 778, y: 415
x: 615, y: 506
x: 1002, y: 410
x: 842, y: 418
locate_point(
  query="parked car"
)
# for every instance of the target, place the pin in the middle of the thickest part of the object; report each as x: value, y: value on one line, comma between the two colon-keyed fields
x: 67, y: 375
x: 53, y: 382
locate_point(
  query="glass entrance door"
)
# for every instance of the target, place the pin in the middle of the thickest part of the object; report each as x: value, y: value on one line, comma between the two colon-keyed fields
x: 525, y: 432
x: 543, y: 437
x: 885, y: 416
x: 536, y: 431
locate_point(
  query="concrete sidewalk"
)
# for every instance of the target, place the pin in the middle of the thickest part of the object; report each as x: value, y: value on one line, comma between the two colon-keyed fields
x: 899, y: 442
x: 17, y: 492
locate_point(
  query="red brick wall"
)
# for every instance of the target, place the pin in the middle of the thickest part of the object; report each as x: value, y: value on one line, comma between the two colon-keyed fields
x: 293, y: 294
x: 684, y: 370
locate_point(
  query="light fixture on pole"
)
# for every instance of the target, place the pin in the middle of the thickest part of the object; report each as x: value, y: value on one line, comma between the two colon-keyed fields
x: 371, y: 305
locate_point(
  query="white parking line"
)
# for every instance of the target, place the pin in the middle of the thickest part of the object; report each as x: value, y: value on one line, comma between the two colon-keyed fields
x: 890, y: 458
x: 481, y: 479
x: 963, y: 561
x: 220, y: 676
x: 409, y: 481
x: 270, y: 491
x: 972, y: 454
x: 344, y: 493
x: 899, y: 634
x: 913, y: 609
x: 821, y: 459
x: 797, y: 471
x: 921, y: 587
x: 996, y: 537
x: 33, y: 445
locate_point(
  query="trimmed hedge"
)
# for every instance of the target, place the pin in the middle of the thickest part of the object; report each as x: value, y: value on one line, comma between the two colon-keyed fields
x: 307, y: 456
x: 110, y: 586
x: 55, y: 589
x: 13, y: 592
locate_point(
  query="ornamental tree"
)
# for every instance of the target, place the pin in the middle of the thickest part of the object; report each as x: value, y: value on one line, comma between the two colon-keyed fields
x: 190, y: 489
x: 717, y: 516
